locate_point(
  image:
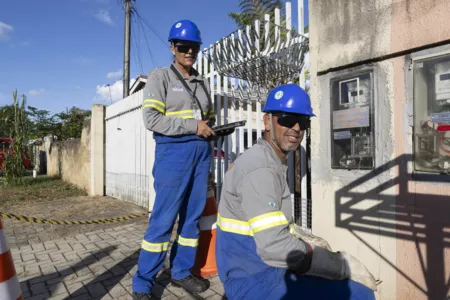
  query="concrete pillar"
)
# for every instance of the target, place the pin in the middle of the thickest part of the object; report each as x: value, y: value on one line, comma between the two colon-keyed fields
x: 97, y: 184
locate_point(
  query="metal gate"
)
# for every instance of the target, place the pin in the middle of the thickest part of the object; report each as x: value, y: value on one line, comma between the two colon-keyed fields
x: 129, y: 152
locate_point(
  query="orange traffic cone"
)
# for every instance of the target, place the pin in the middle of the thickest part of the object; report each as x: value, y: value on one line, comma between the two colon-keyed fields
x: 205, y: 261
x: 9, y: 283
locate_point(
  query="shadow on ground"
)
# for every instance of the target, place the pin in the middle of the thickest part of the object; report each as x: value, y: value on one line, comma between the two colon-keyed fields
x: 109, y: 282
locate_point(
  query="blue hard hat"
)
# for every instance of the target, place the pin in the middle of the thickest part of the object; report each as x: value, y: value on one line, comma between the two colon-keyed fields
x: 185, y: 30
x: 289, y: 98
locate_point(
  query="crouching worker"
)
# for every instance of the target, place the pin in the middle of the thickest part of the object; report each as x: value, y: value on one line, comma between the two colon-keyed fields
x: 258, y: 255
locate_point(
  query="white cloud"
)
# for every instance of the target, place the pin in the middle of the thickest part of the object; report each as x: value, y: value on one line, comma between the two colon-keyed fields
x: 34, y: 93
x: 114, y: 75
x: 113, y: 92
x: 5, y: 29
x: 103, y: 16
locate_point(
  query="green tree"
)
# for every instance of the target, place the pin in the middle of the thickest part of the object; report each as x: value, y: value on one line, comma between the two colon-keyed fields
x: 70, y: 124
x: 252, y: 10
x: 40, y: 123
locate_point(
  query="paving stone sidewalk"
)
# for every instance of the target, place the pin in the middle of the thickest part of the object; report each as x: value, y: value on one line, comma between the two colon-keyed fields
x: 92, y: 265
x: 74, y: 208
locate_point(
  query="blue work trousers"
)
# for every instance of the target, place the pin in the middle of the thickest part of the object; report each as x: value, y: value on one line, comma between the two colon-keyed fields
x: 280, y: 284
x: 180, y: 174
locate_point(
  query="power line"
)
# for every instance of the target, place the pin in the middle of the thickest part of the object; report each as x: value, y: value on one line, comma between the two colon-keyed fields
x: 148, y: 46
x: 136, y: 42
x: 151, y: 28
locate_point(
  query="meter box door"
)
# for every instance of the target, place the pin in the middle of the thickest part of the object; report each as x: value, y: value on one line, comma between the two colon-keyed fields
x: 431, y: 85
x: 352, y: 122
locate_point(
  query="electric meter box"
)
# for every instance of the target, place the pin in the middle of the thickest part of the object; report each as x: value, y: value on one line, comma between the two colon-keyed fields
x: 352, y: 123
x: 431, y: 83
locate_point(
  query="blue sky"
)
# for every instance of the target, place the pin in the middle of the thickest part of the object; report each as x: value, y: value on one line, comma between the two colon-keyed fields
x: 62, y: 53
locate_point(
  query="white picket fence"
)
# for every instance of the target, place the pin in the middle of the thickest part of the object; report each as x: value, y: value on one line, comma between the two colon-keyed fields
x: 130, y: 147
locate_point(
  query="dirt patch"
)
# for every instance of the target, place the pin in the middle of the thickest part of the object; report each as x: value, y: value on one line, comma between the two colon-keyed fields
x: 39, y: 189
x: 59, y: 201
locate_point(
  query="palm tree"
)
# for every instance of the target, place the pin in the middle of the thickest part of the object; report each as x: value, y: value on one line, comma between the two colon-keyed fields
x: 252, y: 10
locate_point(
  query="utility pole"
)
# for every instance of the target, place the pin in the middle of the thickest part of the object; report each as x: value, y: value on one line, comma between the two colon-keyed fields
x: 126, y: 57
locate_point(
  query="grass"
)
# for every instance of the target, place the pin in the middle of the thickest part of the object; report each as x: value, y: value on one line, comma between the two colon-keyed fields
x: 38, y: 189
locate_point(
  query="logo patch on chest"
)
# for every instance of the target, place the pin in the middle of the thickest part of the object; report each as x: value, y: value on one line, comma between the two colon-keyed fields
x: 272, y: 203
x: 177, y: 88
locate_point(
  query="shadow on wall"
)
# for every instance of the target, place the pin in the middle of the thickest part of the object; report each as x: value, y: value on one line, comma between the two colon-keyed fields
x: 422, y: 219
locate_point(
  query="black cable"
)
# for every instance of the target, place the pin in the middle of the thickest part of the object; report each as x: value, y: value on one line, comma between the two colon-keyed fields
x: 148, y: 46
x: 151, y: 28
x: 136, y: 42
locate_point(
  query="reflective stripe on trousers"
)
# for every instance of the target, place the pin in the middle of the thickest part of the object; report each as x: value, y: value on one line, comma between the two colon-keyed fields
x: 181, y: 183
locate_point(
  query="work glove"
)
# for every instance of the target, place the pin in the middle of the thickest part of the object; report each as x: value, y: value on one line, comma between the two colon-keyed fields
x: 339, y: 266
x: 310, y: 238
x: 358, y: 272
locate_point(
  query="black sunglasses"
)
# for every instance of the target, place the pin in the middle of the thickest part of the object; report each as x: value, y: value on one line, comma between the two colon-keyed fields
x: 289, y: 121
x: 184, y: 48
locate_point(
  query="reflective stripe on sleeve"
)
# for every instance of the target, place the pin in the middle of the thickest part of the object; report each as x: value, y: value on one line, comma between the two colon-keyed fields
x: 234, y: 226
x: 267, y: 220
x: 156, y: 104
x: 185, y: 114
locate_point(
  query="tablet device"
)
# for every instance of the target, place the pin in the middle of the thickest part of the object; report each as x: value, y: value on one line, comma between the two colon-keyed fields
x: 227, y: 127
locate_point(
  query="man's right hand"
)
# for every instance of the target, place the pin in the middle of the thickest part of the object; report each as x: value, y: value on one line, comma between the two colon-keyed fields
x: 339, y: 266
x: 358, y: 272
x: 204, y: 130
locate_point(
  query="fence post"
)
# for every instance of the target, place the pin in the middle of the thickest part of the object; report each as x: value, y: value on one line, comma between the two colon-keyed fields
x: 97, y: 184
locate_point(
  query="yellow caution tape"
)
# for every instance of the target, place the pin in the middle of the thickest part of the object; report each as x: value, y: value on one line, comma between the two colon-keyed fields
x: 55, y: 222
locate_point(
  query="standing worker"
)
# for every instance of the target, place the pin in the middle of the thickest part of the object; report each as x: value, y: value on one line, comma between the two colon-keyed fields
x: 258, y: 255
x: 178, y: 109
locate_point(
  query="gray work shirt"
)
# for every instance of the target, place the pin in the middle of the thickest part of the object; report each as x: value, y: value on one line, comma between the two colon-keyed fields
x: 168, y: 107
x: 256, y: 191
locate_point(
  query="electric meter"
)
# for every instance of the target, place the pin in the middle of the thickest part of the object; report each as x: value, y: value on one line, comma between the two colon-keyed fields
x: 442, y: 85
x: 352, y: 122
x: 432, y: 115
x: 353, y: 92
